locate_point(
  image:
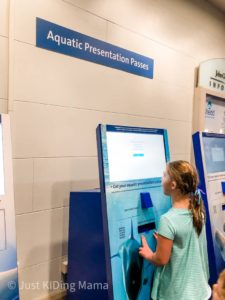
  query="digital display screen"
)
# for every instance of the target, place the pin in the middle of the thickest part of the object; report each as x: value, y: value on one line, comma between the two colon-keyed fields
x: 214, y: 150
x: 217, y: 154
x: 133, y: 156
x: 2, y: 181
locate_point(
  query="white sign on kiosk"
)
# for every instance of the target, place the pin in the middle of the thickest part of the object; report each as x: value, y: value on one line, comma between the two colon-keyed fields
x: 8, y: 255
x: 209, y: 102
x: 212, y: 75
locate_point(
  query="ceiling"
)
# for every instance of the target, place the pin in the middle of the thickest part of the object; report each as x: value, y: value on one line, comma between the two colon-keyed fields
x: 219, y: 4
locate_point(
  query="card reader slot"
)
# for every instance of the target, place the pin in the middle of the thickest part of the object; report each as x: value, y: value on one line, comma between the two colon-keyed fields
x: 146, y: 227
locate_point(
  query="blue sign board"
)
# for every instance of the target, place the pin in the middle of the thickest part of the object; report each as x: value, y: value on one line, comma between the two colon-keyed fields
x: 59, y: 39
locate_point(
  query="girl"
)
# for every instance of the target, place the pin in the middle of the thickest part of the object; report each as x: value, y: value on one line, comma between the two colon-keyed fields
x: 181, y: 252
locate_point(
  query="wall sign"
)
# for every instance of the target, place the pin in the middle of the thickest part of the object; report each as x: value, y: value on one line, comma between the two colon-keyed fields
x: 59, y: 39
x: 212, y: 75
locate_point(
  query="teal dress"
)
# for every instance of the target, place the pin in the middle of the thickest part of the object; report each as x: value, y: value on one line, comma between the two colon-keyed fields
x: 186, y: 275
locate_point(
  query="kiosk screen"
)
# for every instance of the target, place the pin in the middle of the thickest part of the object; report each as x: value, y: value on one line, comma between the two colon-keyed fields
x: 214, y: 150
x: 134, y: 156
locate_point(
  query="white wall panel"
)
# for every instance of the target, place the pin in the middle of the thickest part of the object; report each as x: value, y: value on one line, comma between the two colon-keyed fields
x: 65, y: 232
x: 36, y: 281
x: 55, y: 178
x: 23, y: 185
x: 4, y: 17
x: 180, y: 157
x: 81, y: 84
x: 39, y: 236
x: 51, y: 131
x: 58, y: 12
x: 210, y: 48
x: 177, y: 24
x: 3, y: 68
x: 3, y: 106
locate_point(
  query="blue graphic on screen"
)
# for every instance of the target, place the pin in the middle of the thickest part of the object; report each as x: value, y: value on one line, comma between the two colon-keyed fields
x: 133, y: 161
x: 214, y: 151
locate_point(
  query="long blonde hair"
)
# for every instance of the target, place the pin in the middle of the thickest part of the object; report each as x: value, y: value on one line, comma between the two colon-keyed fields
x: 186, y: 178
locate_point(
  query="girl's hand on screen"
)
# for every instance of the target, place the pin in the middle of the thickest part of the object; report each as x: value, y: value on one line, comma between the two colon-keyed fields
x: 145, y: 251
x: 155, y: 234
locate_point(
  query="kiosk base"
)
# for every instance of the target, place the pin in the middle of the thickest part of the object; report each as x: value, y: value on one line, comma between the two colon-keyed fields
x: 86, y: 251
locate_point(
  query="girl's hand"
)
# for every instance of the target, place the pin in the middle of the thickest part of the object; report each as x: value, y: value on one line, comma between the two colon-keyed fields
x: 145, y: 251
x: 155, y: 234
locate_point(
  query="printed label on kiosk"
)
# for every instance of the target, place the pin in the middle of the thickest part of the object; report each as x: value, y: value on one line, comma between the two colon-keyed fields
x: 209, y: 151
x: 132, y: 161
x: 9, y: 289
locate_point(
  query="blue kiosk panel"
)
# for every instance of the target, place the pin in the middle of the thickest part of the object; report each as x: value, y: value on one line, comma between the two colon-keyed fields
x: 131, y: 164
x: 86, y: 253
x: 209, y: 150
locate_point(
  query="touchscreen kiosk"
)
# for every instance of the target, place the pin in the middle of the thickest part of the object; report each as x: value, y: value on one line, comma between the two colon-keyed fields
x: 8, y: 258
x: 209, y: 149
x: 129, y: 205
x: 132, y: 161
